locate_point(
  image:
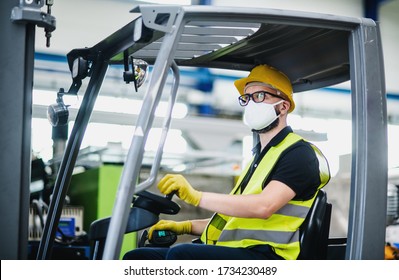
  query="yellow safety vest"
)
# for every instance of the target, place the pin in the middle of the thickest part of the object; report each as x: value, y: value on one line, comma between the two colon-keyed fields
x: 281, y: 230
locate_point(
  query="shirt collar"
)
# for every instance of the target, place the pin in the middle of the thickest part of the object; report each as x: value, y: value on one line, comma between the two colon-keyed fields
x: 280, y: 136
x: 275, y: 140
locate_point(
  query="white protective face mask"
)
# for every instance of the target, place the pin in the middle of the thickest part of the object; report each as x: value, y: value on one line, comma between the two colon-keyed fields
x: 259, y: 115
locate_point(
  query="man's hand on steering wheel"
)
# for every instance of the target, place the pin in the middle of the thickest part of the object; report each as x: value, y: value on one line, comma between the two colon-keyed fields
x: 176, y: 182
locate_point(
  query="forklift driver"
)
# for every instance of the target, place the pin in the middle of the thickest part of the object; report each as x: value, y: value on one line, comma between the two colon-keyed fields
x: 261, y: 217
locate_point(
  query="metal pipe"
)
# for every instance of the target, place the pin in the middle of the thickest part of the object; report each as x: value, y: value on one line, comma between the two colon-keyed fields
x: 130, y: 172
x: 158, y: 156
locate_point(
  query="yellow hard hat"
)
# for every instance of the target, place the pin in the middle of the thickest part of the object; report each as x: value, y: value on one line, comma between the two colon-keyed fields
x: 271, y: 76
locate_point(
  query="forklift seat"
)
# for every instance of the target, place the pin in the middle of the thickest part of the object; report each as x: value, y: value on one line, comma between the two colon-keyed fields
x: 314, y: 232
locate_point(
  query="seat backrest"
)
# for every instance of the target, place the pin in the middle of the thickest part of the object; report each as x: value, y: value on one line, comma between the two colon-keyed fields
x: 314, y: 231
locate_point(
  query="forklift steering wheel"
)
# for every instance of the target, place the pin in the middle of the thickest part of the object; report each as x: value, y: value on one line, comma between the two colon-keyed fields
x: 155, y: 203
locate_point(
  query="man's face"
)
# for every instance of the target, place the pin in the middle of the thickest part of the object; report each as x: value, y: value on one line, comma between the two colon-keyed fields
x: 262, y: 94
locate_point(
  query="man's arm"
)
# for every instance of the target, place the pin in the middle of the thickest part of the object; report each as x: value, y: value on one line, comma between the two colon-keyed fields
x: 198, y: 226
x: 194, y: 227
x: 274, y: 196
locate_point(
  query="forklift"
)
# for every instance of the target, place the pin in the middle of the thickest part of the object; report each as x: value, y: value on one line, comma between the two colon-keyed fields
x: 314, y: 50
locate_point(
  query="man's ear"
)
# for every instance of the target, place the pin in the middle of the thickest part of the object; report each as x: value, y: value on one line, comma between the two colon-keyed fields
x: 285, y: 106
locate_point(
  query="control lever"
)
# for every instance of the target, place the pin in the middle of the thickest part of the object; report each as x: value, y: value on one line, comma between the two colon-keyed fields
x: 169, y: 196
x: 160, y: 238
x: 163, y: 238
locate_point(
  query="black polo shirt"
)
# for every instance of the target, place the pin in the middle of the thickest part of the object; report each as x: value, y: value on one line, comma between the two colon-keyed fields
x: 297, y: 167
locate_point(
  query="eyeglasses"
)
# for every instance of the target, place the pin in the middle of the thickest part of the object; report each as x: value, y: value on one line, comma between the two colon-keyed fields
x: 257, y: 97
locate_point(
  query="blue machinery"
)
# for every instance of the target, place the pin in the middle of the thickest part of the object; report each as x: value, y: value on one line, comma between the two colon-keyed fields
x: 314, y: 50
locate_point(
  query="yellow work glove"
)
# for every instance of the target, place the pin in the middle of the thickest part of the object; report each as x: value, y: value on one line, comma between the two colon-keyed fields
x: 177, y: 227
x: 176, y: 182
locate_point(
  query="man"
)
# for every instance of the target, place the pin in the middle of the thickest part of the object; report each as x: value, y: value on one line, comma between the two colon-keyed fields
x: 260, y: 218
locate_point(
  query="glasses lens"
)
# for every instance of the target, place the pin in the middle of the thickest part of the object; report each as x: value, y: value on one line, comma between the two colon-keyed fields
x: 258, y: 97
x: 243, y: 99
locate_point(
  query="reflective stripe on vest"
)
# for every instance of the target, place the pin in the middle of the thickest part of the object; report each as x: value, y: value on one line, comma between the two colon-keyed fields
x: 281, y: 230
